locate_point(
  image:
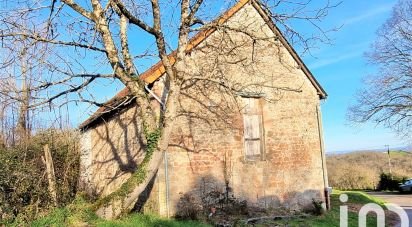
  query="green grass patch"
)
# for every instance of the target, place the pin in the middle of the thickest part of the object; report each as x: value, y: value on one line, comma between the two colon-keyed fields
x: 357, y: 197
x: 63, y: 217
x: 80, y: 213
x: 400, y: 153
x: 148, y: 220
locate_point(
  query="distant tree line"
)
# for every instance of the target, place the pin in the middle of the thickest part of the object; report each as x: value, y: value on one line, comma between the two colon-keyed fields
x: 367, y: 170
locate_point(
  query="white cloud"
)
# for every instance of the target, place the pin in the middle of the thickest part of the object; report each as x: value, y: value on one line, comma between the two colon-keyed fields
x: 333, y: 60
x: 368, y: 14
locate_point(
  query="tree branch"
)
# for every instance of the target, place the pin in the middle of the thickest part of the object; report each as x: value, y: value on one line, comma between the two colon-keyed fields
x: 79, y: 9
x: 38, y: 38
x: 132, y: 19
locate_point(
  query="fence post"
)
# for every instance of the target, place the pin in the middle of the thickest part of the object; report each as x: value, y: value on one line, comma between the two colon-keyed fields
x: 48, y: 161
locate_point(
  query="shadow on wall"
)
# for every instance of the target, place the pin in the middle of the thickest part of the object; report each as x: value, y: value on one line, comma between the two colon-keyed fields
x: 228, y: 60
x: 209, y: 195
x: 144, y: 196
x: 117, y: 150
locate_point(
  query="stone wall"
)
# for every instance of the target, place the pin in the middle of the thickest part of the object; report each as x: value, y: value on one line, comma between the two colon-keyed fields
x: 205, y: 156
x: 115, y: 151
x: 207, y: 151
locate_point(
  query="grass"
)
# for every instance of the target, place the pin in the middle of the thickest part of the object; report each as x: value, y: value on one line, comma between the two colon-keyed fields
x: 79, y: 214
x: 60, y: 218
x: 357, y: 197
x: 400, y: 153
x: 148, y: 220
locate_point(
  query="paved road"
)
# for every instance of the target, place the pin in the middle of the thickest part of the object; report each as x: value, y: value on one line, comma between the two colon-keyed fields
x: 403, y: 200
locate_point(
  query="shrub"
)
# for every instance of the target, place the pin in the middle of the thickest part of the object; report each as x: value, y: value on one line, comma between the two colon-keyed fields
x: 349, y: 176
x: 318, y: 208
x: 390, y: 182
x: 224, y: 201
x: 189, y: 207
x: 23, y: 183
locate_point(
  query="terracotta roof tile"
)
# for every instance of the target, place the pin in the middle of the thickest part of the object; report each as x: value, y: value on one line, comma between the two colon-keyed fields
x: 120, y: 99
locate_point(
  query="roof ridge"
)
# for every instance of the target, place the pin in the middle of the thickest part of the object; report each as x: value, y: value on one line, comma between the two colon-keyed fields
x: 154, y: 72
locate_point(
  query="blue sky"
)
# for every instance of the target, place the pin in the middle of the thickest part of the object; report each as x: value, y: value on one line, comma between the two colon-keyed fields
x: 339, y: 67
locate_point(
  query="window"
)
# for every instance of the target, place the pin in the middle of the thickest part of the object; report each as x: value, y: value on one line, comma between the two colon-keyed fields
x: 253, y: 129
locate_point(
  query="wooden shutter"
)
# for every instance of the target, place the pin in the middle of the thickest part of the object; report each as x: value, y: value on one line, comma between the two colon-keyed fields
x: 252, y: 135
x: 253, y: 128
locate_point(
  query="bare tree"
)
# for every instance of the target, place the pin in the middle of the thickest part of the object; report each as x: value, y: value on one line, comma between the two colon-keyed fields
x: 21, y: 65
x: 104, y: 31
x: 23, y: 119
x: 387, y: 96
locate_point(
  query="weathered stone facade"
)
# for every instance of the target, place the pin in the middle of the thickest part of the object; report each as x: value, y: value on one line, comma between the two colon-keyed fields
x: 207, y: 148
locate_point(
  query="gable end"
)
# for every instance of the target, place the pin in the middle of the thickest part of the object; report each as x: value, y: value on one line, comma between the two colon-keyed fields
x: 157, y: 70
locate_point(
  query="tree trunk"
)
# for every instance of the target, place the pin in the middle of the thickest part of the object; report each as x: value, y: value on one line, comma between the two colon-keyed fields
x: 118, y: 206
x: 48, y: 161
x: 119, y: 203
x: 22, y: 122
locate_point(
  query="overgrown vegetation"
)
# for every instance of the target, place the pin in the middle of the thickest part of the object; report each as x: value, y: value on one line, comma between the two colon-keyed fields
x: 26, y: 201
x: 363, y: 170
x: 23, y: 181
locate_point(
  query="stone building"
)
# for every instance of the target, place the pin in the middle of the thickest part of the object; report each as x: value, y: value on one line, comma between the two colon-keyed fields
x: 257, y: 133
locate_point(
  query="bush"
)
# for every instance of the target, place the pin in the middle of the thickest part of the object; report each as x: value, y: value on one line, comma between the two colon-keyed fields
x: 189, y: 207
x: 347, y: 176
x: 224, y: 202
x: 23, y: 181
x: 318, y: 208
x: 389, y: 182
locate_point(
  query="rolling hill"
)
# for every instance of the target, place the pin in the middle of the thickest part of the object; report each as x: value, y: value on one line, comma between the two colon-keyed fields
x: 361, y: 170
